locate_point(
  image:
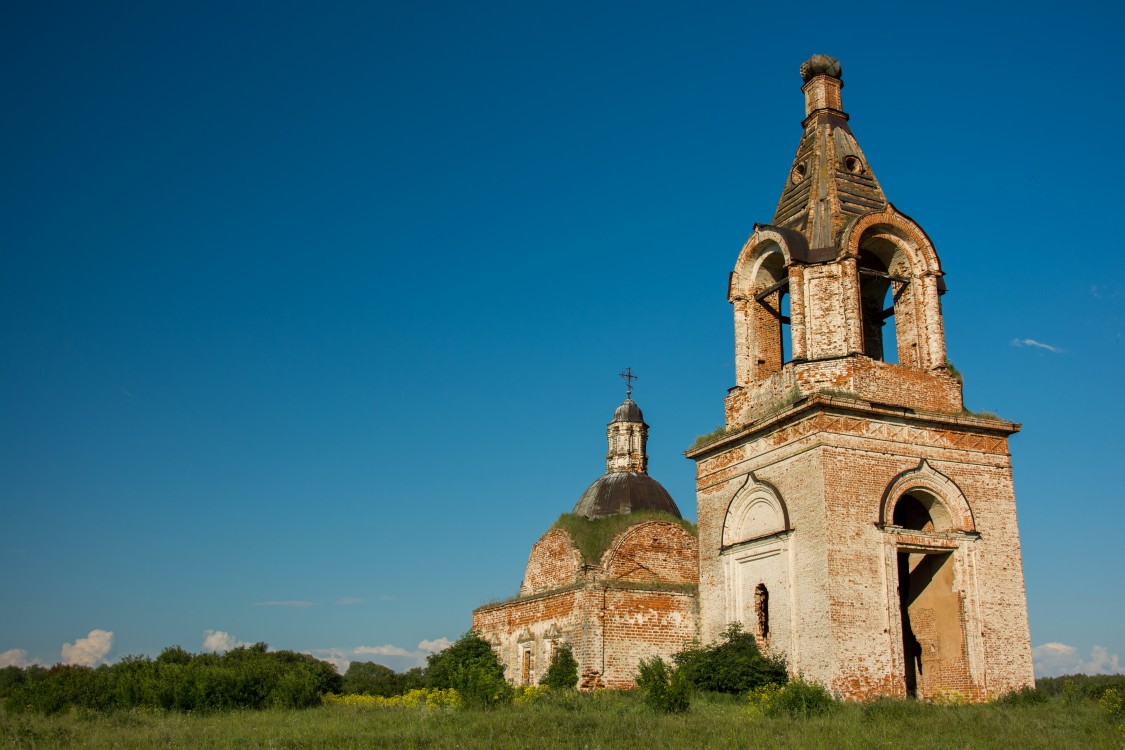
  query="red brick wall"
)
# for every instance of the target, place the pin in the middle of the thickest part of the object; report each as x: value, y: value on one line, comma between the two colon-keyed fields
x: 554, y: 562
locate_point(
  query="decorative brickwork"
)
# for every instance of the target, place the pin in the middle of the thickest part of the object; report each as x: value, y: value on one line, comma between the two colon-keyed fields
x: 639, y: 602
x: 852, y: 515
x: 853, y: 494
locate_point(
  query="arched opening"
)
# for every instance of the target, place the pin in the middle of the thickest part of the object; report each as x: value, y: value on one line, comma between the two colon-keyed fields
x: 877, y: 307
x: 769, y: 314
x: 910, y: 513
x: 785, y: 332
x: 762, y: 609
x: 921, y: 510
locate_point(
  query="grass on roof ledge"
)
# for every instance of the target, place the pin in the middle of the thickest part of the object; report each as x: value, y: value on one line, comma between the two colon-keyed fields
x: 593, y: 537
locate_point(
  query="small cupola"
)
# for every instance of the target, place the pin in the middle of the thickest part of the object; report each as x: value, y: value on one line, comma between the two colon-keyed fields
x: 626, y: 485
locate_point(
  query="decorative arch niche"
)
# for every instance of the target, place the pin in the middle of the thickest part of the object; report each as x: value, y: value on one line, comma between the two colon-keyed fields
x: 755, y: 553
x: 756, y: 511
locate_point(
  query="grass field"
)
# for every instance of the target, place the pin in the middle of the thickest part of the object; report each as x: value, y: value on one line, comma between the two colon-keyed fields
x: 609, y: 720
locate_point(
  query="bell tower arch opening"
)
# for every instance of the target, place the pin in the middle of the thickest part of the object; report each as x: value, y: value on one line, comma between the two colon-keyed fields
x: 771, y: 346
x: 891, y: 323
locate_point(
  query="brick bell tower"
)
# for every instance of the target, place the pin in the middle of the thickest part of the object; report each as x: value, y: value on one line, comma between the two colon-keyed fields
x: 852, y: 514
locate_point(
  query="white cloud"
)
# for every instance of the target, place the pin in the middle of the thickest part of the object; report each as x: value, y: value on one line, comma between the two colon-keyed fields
x: 432, y: 647
x: 1054, y: 659
x: 220, y: 641
x: 287, y: 603
x: 88, y: 651
x: 387, y: 650
x: 1037, y: 345
x: 395, y: 657
x: 16, y: 657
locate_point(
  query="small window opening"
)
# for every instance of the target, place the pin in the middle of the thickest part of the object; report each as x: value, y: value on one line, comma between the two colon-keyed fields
x: 526, y: 668
x: 762, y: 609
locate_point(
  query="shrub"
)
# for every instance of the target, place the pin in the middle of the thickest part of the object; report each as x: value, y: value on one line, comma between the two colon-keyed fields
x: 563, y: 672
x: 664, y: 689
x: 800, y: 699
x: 414, y: 699
x: 252, y: 677
x: 732, y: 665
x: 1025, y: 696
x: 529, y: 694
x: 369, y: 678
x: 1111, y: 702
x: 471, y: 668
x: 761, y: 698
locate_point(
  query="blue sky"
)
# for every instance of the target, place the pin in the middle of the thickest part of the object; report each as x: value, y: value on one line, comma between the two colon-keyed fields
x: 312, y: 314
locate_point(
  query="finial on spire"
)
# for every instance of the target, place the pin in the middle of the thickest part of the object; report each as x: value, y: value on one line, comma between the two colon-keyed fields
x: 628, y: 377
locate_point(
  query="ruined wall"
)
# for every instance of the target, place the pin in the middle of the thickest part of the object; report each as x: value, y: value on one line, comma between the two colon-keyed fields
x: 653, y: 551
x: 832, y: 468
x: 554, y: 562
x: 640, y: 602
x: 865, y: 378
x: 640, y: 624
x: 536, y: 624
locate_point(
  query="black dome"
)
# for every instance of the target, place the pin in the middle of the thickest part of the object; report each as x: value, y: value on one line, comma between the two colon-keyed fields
x: 821, y: 65
x: 624, y: 492
x: 628, y: 412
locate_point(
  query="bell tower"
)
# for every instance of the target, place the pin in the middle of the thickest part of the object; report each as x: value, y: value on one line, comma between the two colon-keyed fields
x: 850, y: 489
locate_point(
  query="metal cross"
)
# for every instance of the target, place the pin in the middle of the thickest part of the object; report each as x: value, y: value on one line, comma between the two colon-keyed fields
x: 628, y: 377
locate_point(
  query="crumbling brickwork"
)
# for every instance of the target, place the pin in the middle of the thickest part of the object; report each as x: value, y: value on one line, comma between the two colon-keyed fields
x: 639, y: 601
x: 876, y: 513
x: 852, y: 516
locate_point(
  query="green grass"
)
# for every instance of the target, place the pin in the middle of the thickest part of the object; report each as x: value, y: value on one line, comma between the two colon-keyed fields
x: 710, y: 437
x: 603, y: 720
x: 593, y: 537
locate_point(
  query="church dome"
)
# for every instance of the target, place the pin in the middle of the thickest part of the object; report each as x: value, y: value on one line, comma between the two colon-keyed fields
x: 628, y: 412
x: 821, y: 65
x: 624, y: 492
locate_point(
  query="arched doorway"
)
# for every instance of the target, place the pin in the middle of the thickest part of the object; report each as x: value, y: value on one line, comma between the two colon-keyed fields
x: 931, y: 606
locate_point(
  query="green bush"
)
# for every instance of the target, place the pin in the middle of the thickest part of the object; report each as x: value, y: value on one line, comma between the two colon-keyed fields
x: 664, y: 689
x: 471, y: 668
x: 251, y: 677
x: 563, y: 672
x: 1025, y: 696
x: 732, y: 665
x: 800, y: 699
x: 1078, y: 687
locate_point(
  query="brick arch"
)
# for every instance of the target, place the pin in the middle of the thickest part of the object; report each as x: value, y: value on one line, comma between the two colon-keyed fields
x: 755, y: 511
x: 554, y: 562
x: 763, y: 241
x: 759, y: 330
x: 898, y: 228
x: 653, y: 551
x: 947, y: 499
x: 895, y: 258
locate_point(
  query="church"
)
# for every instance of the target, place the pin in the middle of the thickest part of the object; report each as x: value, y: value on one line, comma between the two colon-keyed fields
x: 852, y: 514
